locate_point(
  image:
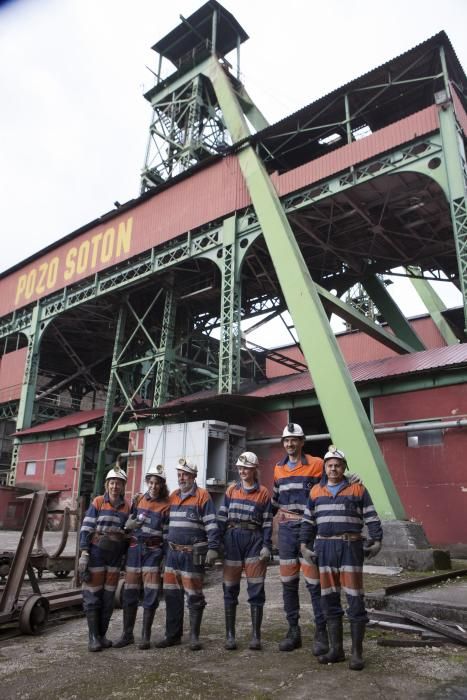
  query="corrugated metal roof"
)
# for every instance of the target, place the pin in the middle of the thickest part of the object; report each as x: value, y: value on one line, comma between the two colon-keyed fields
x: 69, y: 421
x: 414, y: 363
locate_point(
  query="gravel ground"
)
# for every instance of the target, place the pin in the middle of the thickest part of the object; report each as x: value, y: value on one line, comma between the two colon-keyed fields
x: 58, y: 665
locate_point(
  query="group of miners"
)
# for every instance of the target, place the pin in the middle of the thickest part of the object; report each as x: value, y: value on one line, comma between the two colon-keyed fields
x: 321, y: 513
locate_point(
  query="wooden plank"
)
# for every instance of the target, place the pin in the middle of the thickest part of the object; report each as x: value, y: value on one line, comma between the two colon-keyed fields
x: 386, y: 642
x: 421, y: 582
x: 436, y: 626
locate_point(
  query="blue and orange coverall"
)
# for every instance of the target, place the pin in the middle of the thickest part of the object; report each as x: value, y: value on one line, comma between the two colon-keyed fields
x: 192, y: 520
x: 245, y: 525
x: 103, y: 537
x: 289, y: 497
x: 332, y: 526
x: 147, y: 548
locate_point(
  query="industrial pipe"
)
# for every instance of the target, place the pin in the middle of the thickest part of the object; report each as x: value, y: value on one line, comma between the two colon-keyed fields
x: 412, y: 428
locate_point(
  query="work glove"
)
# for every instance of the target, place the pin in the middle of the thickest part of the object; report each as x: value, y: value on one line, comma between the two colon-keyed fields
x: 211, y: 557
x: 132, y: 523
x: 264, y: 554
x: 371, y: 549
x: 354, y: 479
x: 83, y: 563
x: 309, y: 555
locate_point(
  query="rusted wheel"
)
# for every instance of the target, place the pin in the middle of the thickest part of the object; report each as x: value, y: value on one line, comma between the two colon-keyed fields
x: 118, y: 598
x: 34, y: 615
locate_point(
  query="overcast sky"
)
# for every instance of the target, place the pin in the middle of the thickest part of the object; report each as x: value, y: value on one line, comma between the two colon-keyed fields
x: 74, y: 124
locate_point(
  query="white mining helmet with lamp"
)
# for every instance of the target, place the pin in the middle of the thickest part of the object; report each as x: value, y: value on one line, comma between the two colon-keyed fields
x: 293, y: 430
x: 116, y: 473
x: 184, y: 465
x: 156, y: 470
x: 247, y: 459
x: 334, y: 453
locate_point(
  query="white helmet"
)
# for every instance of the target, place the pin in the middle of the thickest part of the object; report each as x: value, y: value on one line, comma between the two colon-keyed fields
x: 185, y: 465
x: 247, y: 459
x: 156, y: 470
x: 116, y: 473
x: 293, y: 430
x: 334, y: 453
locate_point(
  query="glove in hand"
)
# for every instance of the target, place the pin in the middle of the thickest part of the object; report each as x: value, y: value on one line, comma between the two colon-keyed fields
x: 371, y: 550
x: 309, y: 555
x: 211, y: 557
x: 132, y: 523
x: 264, y: 554
x: 83, y: 562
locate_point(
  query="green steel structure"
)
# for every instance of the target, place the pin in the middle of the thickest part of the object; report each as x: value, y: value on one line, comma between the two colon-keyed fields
x: 169, y: 320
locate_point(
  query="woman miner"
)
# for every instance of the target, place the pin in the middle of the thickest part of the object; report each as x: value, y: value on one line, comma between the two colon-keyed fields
x: 245, y: 523
x: 102, y: 544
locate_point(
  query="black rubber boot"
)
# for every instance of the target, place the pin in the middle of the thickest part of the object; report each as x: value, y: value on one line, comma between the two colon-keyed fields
x: 103, y: 627
x: 293, y: 640
x: 93, y: 618
x: 256, y: 620
x: 357, y: 631
x: 174, y: 610
x: 148, y: 619
x: 106, y: 613
x: 196, y: 615
x: 230, y: 615
x: 320, y: 640
x: 336, y: 652
x: 129, y: 618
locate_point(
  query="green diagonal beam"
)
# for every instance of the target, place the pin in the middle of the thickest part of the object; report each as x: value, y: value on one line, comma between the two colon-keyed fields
x: 340, y: 403
x: 392, y: 314
x: 362, y: 322
x: 433, y: 303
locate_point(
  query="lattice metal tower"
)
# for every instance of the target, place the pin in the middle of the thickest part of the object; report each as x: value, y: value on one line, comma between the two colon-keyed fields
x: 187, y: 125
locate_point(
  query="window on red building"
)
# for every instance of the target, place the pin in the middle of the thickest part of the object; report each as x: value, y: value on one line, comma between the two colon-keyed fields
x: 59, y: 466
x: 30, y: 469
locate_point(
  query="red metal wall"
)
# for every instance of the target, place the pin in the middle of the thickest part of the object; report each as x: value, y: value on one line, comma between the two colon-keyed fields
x: 13, y: 510
x: 11, y: 375
x: 211, y: 193
x: 45, y: 454
x: 431, y: 480
x: 134, y: 464
x: 359, y: 347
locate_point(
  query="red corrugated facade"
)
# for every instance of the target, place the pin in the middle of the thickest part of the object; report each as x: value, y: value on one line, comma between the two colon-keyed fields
x: 11, y: 375
x: 45, y: 456
x: 431, y: 480
x: 205, y: 196
x: 359, y: 347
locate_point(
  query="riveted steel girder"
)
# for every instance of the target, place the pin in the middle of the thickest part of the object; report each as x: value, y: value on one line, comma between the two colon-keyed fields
x: 346, y: 417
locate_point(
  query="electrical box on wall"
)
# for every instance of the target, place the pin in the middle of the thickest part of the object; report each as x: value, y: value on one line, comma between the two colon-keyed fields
x: 212, y: 445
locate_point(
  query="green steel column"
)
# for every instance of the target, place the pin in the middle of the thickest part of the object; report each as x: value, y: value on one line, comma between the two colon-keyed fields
x: 434, y: 304
x: 229, y: 350
x: 456, y: 172
x: 165, y: 350
x: 28, y: 388
x: 110, y: 398
x: 396, y: 320
x: 340, y: 403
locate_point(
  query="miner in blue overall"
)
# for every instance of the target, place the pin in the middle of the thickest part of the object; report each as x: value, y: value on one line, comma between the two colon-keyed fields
x: 193, y: 542
x: 294, y: 475
x: 148, y: 525
x: 245, y: 524
x: 331, y: 532
x: 102, y: 544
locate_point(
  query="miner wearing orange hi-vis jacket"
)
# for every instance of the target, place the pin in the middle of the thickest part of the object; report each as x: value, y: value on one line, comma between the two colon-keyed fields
x: 192, y: 543
x: 294, y: 476
x: 102, y: 541
x: 245, y: 524
x: 331, y: 533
